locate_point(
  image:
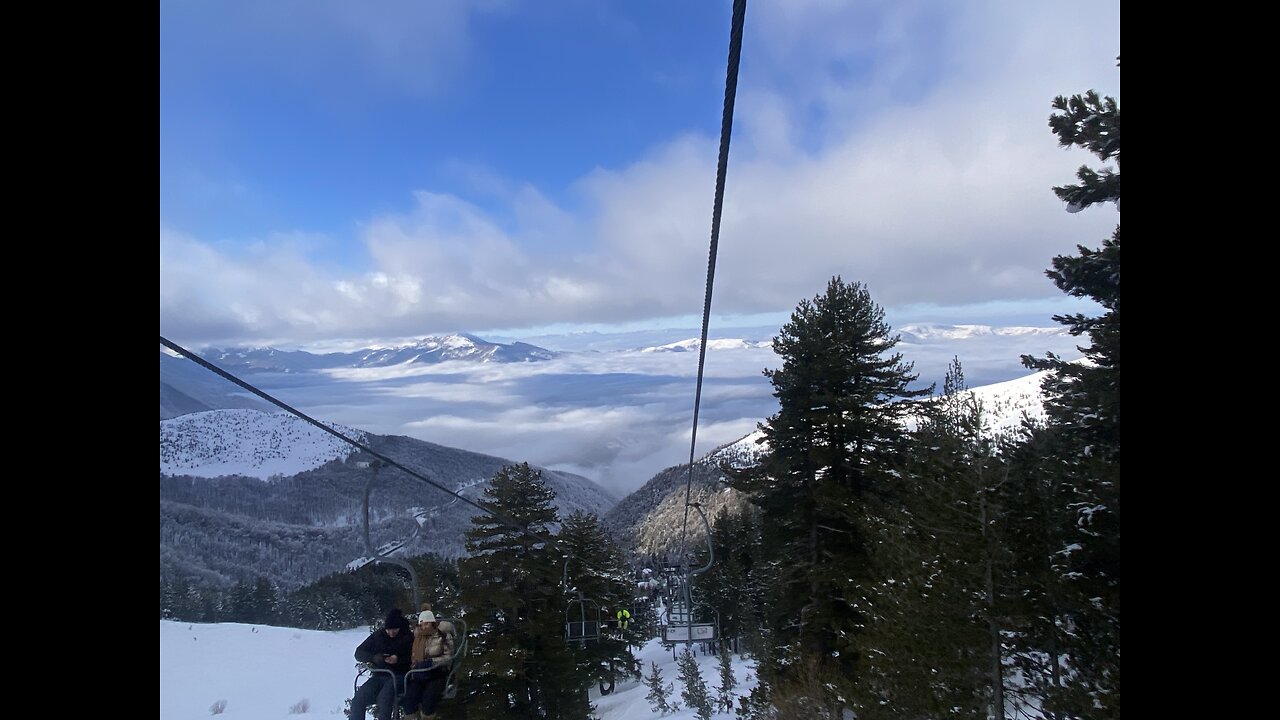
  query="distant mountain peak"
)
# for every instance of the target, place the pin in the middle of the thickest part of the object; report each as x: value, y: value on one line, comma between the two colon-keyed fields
x: 456, y: 346
x: 693, y: 344
x: 452, y: 340
x: 932, y: 331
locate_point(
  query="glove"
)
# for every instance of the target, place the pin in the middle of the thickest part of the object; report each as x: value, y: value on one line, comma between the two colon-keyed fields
x: 424, y: 664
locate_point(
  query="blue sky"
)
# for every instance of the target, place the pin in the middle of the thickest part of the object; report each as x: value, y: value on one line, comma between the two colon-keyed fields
x: 334, y: 170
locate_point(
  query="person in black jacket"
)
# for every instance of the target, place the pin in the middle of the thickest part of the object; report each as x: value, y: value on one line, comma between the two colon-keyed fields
x: 391, y: 649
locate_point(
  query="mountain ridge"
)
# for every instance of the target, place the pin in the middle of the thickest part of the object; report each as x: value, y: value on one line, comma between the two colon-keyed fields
x: 431, y: 349
x: 296, y: 527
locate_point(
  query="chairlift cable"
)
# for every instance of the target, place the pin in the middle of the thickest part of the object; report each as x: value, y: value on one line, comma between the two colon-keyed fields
x: 726, y: 130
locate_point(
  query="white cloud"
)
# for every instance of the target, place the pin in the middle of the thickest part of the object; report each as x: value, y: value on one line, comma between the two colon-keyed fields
x: 903, y: 145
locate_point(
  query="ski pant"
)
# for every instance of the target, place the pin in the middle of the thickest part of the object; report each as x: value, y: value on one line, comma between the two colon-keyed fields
x: 424, y: 689
x: 379, y: 689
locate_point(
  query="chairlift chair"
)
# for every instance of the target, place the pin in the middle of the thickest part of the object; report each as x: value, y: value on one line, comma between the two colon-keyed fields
x: 458, y: 633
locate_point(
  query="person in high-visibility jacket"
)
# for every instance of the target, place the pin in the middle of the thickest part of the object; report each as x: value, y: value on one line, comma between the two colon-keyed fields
x: 623, y: 616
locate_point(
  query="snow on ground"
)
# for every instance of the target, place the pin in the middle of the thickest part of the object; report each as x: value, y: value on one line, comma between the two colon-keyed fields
x: 258, y: 672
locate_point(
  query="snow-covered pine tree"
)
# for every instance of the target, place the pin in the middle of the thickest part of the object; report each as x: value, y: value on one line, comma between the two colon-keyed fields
x: 695, y: 692
x: 932, y: 642
x: 1037, y: 501
x: 728, y: 682
x: 659, y: 692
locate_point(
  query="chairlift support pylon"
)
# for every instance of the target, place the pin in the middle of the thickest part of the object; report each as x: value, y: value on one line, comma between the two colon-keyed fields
x: 385, y: 557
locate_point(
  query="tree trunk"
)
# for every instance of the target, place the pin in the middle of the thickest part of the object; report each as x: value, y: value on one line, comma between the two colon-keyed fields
x: 997, y: 670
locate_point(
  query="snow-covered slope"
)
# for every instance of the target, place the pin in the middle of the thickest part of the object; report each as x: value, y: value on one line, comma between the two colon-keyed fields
x: 651, y: 519
x: 234, y: 671
x: 247, y: 442
x: 742, y: 453
x: 1005, y: 403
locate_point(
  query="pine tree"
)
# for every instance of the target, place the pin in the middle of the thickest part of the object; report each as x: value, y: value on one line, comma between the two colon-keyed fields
x: 843, y: 396
x: 1083, y: 409
x: 266, y: 601
x: 695, y: 692
x: 1084, y: 398
x: 599, y: 577
x: 1038, y: 501
x: 933, y: 641
x: 658, y: 691
x: 728, y: 586
x: 173, y: 600
x: 727, y: 681
x: 518, y: 663
x: 645, y: 621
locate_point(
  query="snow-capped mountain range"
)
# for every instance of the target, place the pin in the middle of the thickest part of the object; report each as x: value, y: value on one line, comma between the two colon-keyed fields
x: 434, y: 349
x: 466, y: 347
x: 252, y: 443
